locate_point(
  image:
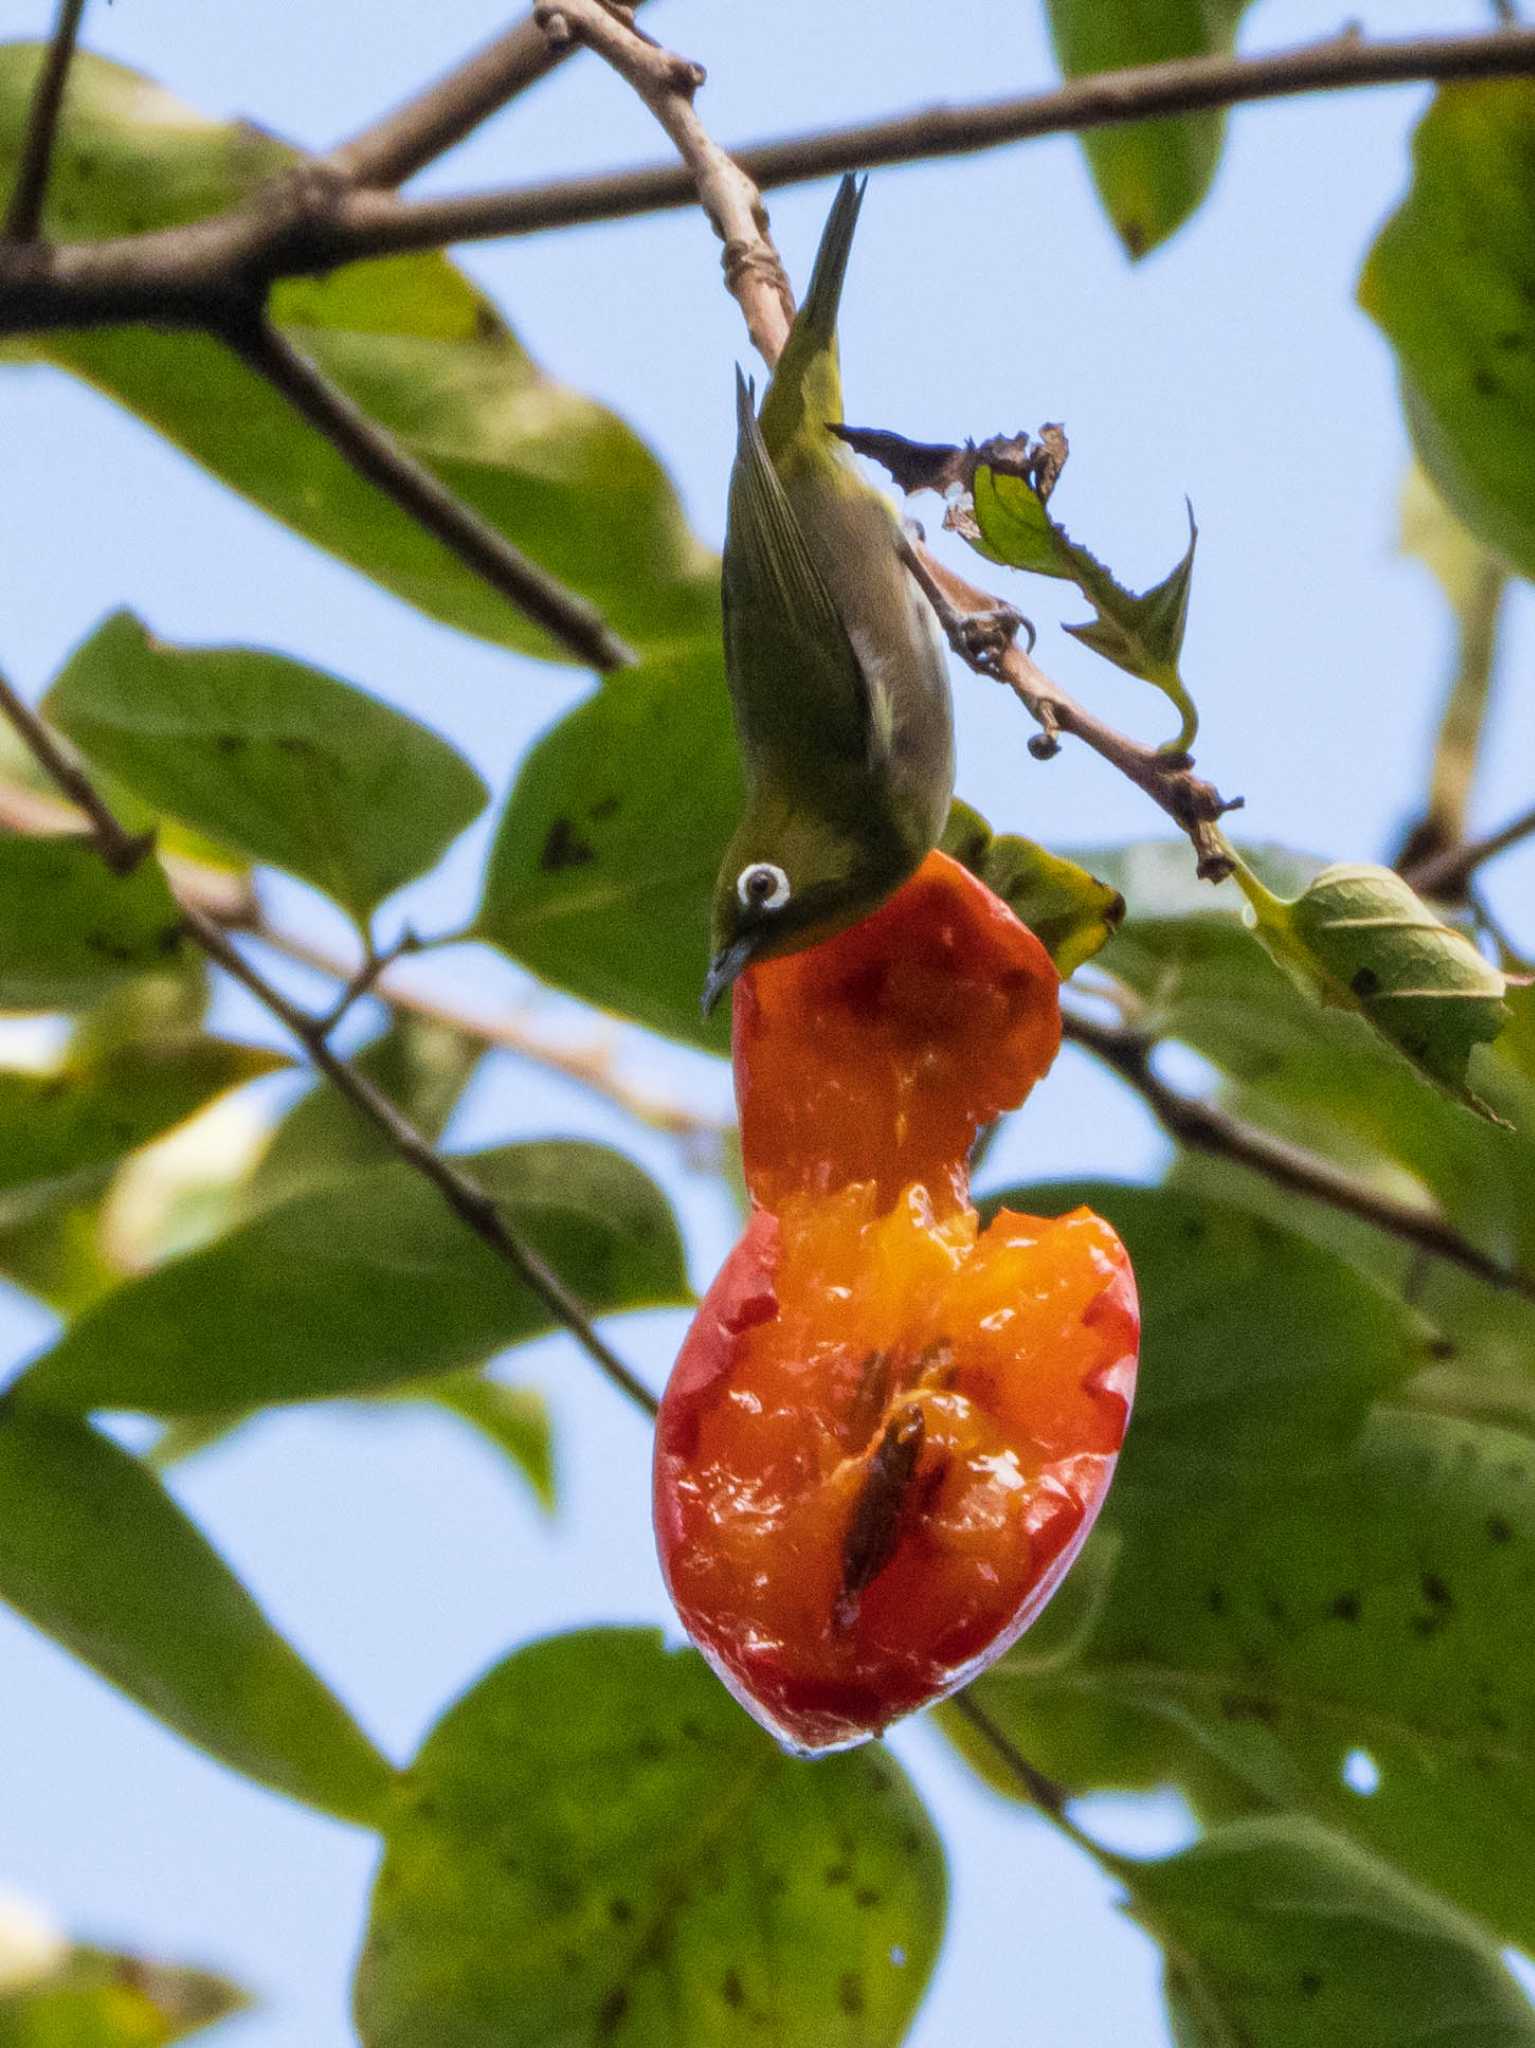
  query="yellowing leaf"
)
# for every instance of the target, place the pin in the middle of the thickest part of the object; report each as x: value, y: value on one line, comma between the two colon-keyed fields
x: 1068, y: 910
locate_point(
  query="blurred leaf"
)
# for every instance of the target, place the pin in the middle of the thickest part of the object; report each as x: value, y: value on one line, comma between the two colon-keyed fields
x: 97, y: 1998
x: 94, y: 1552
x: 1466, y: 349
x: 1360, y: 939
x: 1358, y: 1645
x: 1260, y: 1352
x: 284, y: 762
x: 409, y: 339
x: 70, y: 928
x: 90, y: 1112
x: 514, y: 1419
x: 604, y: 864
x: 1142, y: 634
x: 1280, y: 1935
x: 422, y: 1066
x: 596, y: 1845
x: 366, y: 1282
x: 1068, y: 910
x: 1150, y: 175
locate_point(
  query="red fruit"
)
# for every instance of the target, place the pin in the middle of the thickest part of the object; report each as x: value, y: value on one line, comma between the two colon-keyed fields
x: 888, y: 1432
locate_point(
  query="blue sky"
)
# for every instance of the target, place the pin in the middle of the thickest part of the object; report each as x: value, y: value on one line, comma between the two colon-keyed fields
x: 1231, y: 366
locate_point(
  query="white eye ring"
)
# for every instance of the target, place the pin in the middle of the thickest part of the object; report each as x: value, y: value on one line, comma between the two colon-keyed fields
x: 762, y: 886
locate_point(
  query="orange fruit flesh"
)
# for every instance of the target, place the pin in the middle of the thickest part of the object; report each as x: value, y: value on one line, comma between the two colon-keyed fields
x: 884, y: 1440
x: 877, y: 1055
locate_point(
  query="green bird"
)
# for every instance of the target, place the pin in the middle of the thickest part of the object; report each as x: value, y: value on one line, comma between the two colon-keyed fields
x: 838, y: 676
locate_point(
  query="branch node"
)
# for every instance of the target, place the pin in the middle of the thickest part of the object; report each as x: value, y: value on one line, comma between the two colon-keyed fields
x: 558, y: 32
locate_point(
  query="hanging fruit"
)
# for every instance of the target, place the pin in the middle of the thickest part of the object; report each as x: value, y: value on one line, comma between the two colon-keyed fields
x: 889, y: 1430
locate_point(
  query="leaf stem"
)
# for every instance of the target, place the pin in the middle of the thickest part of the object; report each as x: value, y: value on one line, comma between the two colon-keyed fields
x: 375, y: 455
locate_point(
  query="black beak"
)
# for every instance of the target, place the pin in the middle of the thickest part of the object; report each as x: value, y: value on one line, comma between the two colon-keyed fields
x: 723, y: 970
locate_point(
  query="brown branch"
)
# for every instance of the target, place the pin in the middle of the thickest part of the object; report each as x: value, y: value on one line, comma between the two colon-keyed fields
x: 1203, y: 1127
x: 1194, y: 805
x: 1446, y: 873
x: 467, y: 1200
x: 23, y: 215
x: 375, y: 455
x: 301, y: 227
x: 667, y: 83
x: 430, y: 123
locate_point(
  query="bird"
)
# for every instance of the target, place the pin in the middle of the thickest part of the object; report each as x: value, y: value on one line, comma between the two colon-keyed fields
x: 836, y: 663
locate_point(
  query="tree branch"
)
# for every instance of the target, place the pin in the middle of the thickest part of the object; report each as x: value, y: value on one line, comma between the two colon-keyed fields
x: 467, y: 1200
x: 1203, y: 1127
x: 306, y: 227
x: 1446, y: 873
x: 375, y: 455
x: 23, y: 215
x: 667, y: 83
x: 430, y: 123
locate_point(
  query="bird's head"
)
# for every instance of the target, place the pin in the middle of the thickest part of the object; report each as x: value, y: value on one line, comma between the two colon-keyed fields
x: 789, y: 883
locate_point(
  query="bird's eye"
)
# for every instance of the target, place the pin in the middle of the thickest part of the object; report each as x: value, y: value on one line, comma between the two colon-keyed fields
x: 763, y: 886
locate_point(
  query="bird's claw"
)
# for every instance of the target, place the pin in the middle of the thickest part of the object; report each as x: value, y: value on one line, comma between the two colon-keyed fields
x: 983, y: 638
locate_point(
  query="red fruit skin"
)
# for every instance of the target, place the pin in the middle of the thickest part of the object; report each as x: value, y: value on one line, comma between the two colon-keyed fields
x: 761, y: 1460
x: 888, y: 1432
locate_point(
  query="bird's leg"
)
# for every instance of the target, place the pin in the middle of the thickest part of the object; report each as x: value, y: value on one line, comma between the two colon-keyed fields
x: 979, y: 637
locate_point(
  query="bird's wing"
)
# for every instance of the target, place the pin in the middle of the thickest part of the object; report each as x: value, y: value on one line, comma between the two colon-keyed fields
x: 799, y: 689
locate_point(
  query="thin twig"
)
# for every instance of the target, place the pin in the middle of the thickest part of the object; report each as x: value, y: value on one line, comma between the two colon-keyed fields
x: 24, y: 214
x: 1447, y: 873
x: 1203, y: 1127
x: 1463, y: 720
x: 430, y: 123
x: 374, y: 454
x: 120, y: 849
x: 1194, y: 805
x: 467, y: 1200
x: 306, y: 227
x: 667, y: 83
x: 1044, y: 1793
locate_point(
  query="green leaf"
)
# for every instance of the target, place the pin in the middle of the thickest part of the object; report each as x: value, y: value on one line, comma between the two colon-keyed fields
x: 89, y: 1113
x: 1260, y: 1352
x: 421, y: 1065
x: 409, y: 339
x: 97, y: 1554
x: 604, y: 864
x: 291, y: 766
x: 1141, y: 634
x: 596, y: 1845
x: 364, y: 1283
x: 1280, y: 1935
x: 1068, y: 910
x: 98, y: 1998
x: 1321, y: 1076
x: 1150, y: 175
x: 1466, y: 349
x: 70, y: 928
x: 1358, y: 1645
x: 1361, y: 940
x: 514, y: 1419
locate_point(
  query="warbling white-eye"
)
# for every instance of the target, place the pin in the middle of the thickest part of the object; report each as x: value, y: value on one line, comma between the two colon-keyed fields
x: 837, y: 672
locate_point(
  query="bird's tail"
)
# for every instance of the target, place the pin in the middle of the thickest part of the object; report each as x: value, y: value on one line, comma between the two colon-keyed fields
x: 807, y: 383
x: 818, y: 315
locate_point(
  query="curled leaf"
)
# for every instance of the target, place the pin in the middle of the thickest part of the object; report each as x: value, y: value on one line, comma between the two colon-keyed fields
x: 1361, y: 939
x: 999, y: 492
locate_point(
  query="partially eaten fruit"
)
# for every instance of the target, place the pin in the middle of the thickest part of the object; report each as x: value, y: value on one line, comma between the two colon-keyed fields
x: 889, y: 1431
